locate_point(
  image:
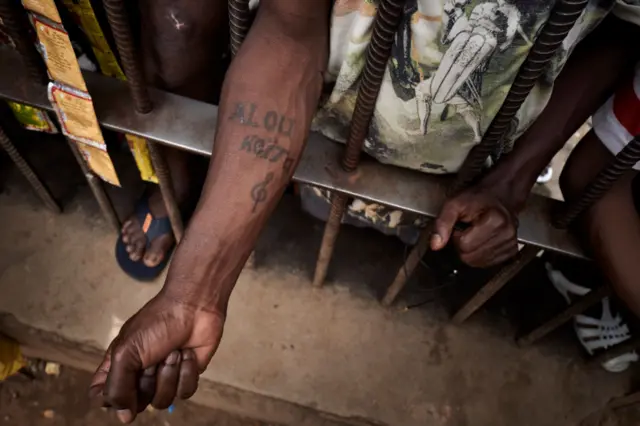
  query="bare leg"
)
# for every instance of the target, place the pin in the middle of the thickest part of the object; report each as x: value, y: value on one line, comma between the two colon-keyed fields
x: 611, y: 228
x: 183, y: 43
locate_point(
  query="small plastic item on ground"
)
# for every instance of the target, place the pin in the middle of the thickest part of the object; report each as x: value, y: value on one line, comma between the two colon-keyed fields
x: 11, y: 359
x: 595, y: 333
x: 52, y: 369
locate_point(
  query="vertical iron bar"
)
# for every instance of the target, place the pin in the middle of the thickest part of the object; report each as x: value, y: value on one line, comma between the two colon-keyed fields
x: 166, y: 188
x: 97, y: 188
x: 15, y: 22
x: 579, y: 306
x: 385, y: 26
x: 331, y: 229
x: 239, y: 21
x: 129, y: 57
x: 410, y: 264
x: 561, y: 20
x: 499, y: 280
x: 28, y: 173
x: 603, y: 181
x: 119, y: 22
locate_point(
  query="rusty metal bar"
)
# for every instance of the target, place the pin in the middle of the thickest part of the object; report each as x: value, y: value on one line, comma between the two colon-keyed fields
x: 574, y: 309
x: 97, y: 188
x: 166, y: 188
x: 506, y: 273
x: 410, y: 264
x: 119, y: 22
x: 561, y: 20
x: 239, y: 22
x: 14, y: 19
x: 385, y: 26
x: 615, y: 351
x: 129, y: 57
x: 332, y: 227
x: 28, y: 173
x: 624, y: 161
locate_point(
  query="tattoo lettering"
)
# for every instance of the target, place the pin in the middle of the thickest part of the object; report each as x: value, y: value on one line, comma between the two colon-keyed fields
x: 247, y: 115
x: 285, y: 131
x: 238, y: 115
x: 259, y: 191
x: 267, y: 149
x: 271, y: 121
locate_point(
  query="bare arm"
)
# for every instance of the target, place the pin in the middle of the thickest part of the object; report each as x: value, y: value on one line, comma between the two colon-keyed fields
x: 269, y: 97
x: 587, y: 80
x: 491, y: 206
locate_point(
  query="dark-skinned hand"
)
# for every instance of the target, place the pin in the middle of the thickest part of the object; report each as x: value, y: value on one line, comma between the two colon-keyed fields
x: 491, y: 235
x: 157, y: 357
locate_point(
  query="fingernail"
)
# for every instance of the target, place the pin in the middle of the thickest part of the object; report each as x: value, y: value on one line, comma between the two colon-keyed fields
x: 150, y: 371
x: 187, y: 355
x: 172, y: 358
x: 124, y: 416
x: 436, y: 240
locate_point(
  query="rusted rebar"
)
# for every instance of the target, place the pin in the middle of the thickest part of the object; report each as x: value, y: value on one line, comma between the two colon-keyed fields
x: 577, y: 307
x: 239, y: 22
x: 603, y: 181
x: 385, y: 26
x: 332, y: 227
x: 120, y: 27
x: 499, y: 280
x: 97, y: 188
x: 129, y: 57
x: 28, y: 173
x: 562, y: 19
x: 14, y: 21
x: 166, y: 188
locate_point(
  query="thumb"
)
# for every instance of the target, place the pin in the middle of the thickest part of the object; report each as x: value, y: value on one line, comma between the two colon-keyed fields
x: 445, y: 223
x: 121, y: 385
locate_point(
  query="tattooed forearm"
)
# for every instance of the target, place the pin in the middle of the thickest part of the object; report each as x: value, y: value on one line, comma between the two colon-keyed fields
x: 248, y: 115
x: 259, y: 191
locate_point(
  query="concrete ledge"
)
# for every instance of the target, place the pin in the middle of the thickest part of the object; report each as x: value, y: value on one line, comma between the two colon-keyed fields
x: 53, y: 347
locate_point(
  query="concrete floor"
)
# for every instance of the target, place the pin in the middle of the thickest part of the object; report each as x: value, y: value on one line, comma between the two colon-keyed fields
x: 334, y: 350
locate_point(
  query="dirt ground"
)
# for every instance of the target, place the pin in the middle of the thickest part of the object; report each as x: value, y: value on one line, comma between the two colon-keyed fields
x: 63, y: 401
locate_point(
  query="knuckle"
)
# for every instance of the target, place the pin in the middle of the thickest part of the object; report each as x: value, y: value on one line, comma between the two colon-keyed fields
x: 121, y: 353
x: 470, y: 261
x: 497, y: 219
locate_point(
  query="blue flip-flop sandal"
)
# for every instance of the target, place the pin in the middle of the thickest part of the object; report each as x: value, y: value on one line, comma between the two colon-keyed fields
x: 152, y: 227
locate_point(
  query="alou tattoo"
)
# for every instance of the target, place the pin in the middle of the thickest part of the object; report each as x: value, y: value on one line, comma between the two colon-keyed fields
x: 247, y: 115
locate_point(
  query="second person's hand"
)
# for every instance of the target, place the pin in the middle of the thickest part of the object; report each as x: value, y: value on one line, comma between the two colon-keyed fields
x: 491, y: 235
